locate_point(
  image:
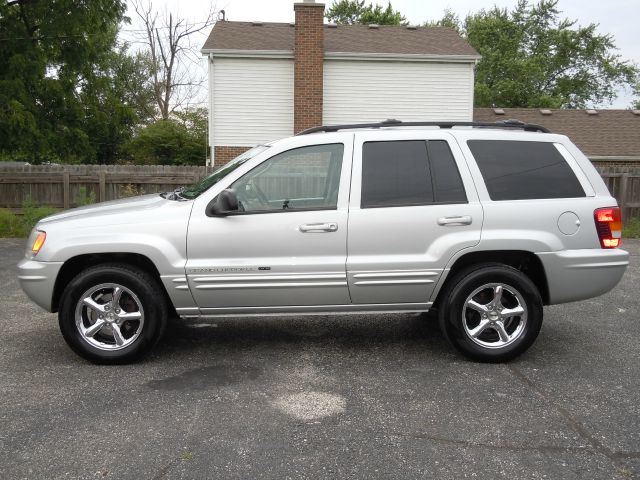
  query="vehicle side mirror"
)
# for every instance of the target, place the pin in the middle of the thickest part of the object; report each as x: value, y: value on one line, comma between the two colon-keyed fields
x: 225, y: 203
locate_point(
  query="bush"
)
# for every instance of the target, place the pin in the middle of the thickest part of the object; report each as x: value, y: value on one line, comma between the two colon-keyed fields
x: 130, y: 190
x: 12, y: 225
x: 632, y: 228
x: 180, y: 140
x: 83, y: 199
x: 9, y: 224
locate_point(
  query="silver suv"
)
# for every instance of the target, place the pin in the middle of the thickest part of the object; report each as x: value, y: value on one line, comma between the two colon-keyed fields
x: 485, y: 223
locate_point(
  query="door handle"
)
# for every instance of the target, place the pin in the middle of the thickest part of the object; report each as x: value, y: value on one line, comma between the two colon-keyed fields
x: 457, y: 220
x: 318, y: 227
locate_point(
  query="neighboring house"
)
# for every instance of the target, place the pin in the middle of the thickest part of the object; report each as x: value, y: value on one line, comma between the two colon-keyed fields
x: 607, y: 137
x: 271, y: 80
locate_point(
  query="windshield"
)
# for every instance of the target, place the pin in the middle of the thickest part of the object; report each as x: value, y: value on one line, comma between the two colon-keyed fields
x: 196, y: 189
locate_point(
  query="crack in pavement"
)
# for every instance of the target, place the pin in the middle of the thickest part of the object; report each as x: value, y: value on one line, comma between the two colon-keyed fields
x: 164, y: 470
x: 573, y: 423
x: 511, y: 447
x: 188, y: 440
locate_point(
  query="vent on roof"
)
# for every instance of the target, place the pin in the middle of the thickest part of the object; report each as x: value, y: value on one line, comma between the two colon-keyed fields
x: 292, y: 24
x: 411, y: 27
x: 373, y: 25
x: 498, y: 111
x: 256, y: 24
x: 545, y: 111
x: 592, y: 112
x: 332, y: 25
x: 636, y: 112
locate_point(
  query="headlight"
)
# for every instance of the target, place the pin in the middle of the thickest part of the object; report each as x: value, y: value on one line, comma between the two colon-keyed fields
x: 38, y: 242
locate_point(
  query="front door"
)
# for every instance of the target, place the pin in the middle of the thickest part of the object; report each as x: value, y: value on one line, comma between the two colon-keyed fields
x: 287, y: 245
x: 413, y: 206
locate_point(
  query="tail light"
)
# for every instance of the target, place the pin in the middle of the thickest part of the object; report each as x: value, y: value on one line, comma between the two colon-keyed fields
x: 609, y: 226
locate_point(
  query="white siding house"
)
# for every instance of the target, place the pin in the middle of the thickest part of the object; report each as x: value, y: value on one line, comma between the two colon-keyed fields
x: 271, y: 80
x: 411, y: 91
x: 251, y: 100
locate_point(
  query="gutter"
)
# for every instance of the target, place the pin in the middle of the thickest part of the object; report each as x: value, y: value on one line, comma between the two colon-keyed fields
x: 233, y: 53
x: 403, y: 57
x: 390, y: 57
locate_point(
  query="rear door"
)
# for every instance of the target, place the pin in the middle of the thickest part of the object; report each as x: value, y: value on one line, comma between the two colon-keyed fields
x: 413, y: 205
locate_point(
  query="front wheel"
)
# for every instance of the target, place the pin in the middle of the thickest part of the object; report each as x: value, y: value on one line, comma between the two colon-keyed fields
x: 491, y: 313
x: 112, y: 313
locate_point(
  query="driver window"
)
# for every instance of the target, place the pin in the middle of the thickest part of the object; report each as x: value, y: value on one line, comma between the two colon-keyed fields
x: 299, y: 179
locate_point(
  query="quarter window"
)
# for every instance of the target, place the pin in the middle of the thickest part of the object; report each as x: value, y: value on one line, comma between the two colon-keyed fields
x: 514, y: 170
x: 446, y: 178
x: 409, y: 172
x: 299, y: 179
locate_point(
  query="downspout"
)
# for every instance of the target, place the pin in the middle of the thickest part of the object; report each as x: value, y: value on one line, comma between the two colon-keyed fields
x: 211, y: 124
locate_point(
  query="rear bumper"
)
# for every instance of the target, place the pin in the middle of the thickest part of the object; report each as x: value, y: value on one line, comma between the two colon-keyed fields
x: 37, y: 279
x: 580, y: 274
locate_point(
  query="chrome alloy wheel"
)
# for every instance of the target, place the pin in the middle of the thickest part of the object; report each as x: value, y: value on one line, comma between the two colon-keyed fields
x: 109, y: 316
x: 494, y: 315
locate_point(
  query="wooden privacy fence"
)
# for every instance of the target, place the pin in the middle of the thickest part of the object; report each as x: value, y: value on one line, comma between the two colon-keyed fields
x: 624, y: 185
x: 59, y: 186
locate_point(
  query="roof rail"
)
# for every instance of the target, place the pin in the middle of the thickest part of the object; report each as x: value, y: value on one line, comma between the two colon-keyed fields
x: 511, y: 123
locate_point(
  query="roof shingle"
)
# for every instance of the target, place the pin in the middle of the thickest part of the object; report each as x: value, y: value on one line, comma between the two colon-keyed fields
x: 385, y: 39
x: 608, y: 133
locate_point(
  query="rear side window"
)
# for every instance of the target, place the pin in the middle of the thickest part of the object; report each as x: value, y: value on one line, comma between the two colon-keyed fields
x: 514, y: 170
x: 409, y: 172
x: 395, y: 174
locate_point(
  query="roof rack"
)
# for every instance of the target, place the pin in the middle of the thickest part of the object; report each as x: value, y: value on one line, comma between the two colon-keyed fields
x: 511, y: 123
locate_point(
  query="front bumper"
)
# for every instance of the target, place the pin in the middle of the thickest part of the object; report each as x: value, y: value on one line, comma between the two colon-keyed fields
x: 37, y: 279
x: 580, y: 274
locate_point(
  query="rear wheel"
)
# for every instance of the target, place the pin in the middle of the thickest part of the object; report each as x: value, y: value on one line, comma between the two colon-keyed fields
x: 112, y: 313
x: 491, y: 312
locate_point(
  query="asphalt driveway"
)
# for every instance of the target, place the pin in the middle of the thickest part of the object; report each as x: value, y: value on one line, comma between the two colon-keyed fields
x: 324, y: 397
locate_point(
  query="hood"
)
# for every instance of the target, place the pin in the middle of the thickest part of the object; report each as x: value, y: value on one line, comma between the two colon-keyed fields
x: 109, y: 212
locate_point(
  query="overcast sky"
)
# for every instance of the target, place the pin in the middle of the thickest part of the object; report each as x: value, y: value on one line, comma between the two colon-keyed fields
x: 616, y: 17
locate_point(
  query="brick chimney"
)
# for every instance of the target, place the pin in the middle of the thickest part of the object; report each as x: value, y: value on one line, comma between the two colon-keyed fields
x: 308, y: 54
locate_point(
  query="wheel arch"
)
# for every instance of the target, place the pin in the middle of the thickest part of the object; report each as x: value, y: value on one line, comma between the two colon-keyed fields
x: 75, y: 265
x: 522, y: 260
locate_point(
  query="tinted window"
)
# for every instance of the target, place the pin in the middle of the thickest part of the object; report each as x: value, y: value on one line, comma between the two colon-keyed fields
x: 395, y: 173
x: 446, y: 178
x: 302, y: 178
x: 515, y: 170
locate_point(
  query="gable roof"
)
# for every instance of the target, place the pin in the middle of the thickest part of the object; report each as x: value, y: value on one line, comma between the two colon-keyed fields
x: 607, y: 133
x: 384, y: 39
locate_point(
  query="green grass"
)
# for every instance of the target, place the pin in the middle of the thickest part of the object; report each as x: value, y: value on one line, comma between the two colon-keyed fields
x: 632, y: 228
x: 12, y: 225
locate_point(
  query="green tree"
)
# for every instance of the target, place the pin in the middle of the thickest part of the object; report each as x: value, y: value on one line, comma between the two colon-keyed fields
x: 533, y: 58
x: 449, y: 19
x: 63, y: 85
x: 117, y: 102
x: 351, y: 12
x: 178, y: 140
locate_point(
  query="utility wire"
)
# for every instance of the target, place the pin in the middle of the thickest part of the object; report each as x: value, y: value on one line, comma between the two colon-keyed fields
x: 75, y: 35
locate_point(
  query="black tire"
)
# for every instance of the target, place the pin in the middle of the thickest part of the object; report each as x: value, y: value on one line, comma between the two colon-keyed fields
x: 458, y: 322
x: 147, y: 294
